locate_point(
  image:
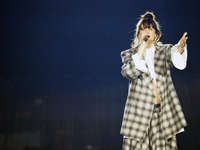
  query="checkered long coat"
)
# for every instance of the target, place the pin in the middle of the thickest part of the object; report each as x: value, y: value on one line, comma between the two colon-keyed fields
x: 140, y: 100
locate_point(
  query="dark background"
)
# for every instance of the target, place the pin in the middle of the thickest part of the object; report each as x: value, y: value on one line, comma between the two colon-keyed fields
x: 60, y: 65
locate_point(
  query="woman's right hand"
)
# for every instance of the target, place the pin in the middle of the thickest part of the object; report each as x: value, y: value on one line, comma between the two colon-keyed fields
x: 143, y: 47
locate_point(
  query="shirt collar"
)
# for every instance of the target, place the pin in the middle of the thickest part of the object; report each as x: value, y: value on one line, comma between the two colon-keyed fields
x: 149, y: 51
x: 152, y: 48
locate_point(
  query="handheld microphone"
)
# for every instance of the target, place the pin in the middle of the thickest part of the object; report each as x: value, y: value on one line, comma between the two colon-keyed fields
x: 146, y: 37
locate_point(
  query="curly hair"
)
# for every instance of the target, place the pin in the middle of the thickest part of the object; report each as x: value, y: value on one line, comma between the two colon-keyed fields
x: 147, y: 20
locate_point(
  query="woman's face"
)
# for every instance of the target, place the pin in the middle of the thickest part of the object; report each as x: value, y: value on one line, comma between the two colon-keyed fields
x: 147, y: 31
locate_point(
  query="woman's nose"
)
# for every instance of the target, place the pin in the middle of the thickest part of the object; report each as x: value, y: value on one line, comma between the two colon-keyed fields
x: 147, y: 30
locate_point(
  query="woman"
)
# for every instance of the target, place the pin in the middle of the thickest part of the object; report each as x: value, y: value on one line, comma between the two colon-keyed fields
x: 153, y: 115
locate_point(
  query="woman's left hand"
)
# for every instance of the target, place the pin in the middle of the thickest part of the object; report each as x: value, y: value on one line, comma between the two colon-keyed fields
x: 183, y: 40
x: 182, y: 43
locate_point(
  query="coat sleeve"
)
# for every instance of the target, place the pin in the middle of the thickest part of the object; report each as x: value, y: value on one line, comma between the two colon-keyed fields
x: 179, y: 60
x: 129, y: 69
x: 174, y: 58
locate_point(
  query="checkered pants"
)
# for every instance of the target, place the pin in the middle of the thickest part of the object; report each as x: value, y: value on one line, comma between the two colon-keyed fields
x: 154, y: 139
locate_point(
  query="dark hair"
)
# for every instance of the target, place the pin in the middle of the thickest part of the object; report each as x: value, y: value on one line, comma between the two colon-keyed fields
x: 148, y: 20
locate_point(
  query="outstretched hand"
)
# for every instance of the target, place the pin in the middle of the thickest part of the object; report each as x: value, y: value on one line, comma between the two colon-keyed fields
x: 183, y: 40
x: 182, y: 43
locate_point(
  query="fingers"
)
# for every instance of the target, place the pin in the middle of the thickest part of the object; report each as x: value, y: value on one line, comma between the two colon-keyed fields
x: 184, y: 35
x: 184, y: 38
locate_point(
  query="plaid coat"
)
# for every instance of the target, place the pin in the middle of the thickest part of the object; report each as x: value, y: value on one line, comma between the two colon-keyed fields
x: 140, y: 100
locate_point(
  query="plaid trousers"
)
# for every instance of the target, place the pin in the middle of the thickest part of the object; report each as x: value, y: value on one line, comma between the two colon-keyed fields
x: 154, y: 139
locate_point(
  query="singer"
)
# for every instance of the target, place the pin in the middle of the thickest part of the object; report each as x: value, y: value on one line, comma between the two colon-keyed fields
x: 153, y: 114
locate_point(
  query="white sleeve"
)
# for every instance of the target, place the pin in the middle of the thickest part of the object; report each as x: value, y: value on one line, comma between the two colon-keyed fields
x: 139, y: 64
x: 179, y: 60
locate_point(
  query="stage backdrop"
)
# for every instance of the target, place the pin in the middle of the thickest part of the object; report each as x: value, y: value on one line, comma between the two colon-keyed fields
x: 60, y: 81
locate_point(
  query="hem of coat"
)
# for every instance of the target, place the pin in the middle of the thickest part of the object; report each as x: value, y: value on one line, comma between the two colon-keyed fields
x: 129, y: 137
x: 139, y: 140
x: 177, y: 132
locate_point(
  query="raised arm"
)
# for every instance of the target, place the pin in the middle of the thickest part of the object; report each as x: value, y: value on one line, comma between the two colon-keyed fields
x: 179, y: 53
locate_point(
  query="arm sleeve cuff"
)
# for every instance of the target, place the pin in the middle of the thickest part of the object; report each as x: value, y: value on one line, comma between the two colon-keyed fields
x: 179, y: 60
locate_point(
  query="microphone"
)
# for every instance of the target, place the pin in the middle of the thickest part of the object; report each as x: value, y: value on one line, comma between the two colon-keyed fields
x: 146, y: 37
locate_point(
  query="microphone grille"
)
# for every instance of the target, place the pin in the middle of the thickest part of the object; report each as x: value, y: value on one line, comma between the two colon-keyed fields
x: 145, y: 39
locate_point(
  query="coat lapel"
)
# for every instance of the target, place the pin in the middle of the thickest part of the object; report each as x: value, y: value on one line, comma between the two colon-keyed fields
x: 157, y: 55
x: 158, y: 78
x: 149, y: 84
